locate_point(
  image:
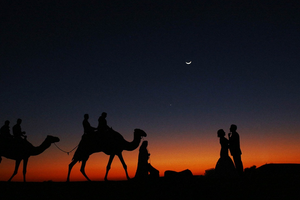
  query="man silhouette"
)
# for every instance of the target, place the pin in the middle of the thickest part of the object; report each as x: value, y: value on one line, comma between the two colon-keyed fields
x: 17, y: 131
x: 87, y: 128
x: 102, y: 123
x: 5, y: 131
x: 235, y: 150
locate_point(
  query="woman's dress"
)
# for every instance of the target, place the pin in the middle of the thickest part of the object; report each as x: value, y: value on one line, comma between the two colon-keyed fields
x: 224, y: 166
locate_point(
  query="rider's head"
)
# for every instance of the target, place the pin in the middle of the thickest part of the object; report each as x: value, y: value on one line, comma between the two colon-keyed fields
x: 86, y: 116
x: 19, y: 121
x: 104, y: 114
x: 6, y: 122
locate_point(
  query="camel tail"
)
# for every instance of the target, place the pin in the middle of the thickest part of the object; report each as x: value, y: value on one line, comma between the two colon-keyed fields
x: 83, y: 150
x: 79, y: 154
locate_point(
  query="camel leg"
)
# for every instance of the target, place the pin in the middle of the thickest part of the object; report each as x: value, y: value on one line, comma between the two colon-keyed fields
x: 25, y: 161
x: 83, y: 171
x: 124, y: 164
x: 16, y: 169
x: 70, y: 168
x: 108, y: 166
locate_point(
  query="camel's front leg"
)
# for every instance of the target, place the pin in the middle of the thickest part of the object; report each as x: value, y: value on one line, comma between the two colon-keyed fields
x: 124, y: 164
x: 82, y: 169
x: 70, y: 168
x: 108, y: 166
x: 25, y: 161
x: 16, y: 169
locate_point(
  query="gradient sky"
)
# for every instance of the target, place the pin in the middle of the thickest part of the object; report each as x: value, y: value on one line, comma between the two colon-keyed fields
x: 59, y: 61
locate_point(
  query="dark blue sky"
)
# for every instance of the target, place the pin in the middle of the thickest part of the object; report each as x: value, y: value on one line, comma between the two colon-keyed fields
x: 62, y: 60
x: 133, y: 54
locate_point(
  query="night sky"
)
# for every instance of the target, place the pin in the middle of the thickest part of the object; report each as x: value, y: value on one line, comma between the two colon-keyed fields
x: 63, y: 59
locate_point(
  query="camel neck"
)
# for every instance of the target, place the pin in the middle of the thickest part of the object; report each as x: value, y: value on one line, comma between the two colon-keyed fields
x: 130, y: 146
x: 40, y: 149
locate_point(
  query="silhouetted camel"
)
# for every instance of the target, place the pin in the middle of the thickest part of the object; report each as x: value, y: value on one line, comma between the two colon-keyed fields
x: 21, y: 150
x: 111, y: 143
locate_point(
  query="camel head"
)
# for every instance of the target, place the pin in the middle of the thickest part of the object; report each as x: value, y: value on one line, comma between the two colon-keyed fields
x: 140, y: 133
x: 52, y: 139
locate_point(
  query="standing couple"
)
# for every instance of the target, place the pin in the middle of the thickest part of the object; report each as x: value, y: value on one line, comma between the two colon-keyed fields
x: 225, y: 166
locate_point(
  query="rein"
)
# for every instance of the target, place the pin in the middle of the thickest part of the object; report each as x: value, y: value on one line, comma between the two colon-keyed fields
x: 67, y: 152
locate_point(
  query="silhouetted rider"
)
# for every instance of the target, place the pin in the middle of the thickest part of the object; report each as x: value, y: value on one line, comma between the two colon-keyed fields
x: 87, y: 128
x: 102, y: 123
x: 5, y: 130
x: 17, y: 131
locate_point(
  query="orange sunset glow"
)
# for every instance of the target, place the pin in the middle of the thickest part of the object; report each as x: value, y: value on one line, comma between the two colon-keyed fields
x: 196, y: 153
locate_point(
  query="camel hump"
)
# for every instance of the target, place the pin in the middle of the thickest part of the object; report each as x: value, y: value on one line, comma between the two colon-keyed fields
x: 115, y: 135
x: 110, y: 134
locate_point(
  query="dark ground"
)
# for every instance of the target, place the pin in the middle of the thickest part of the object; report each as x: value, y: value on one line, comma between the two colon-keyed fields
x: 270, y: 181
x: 184, y: 188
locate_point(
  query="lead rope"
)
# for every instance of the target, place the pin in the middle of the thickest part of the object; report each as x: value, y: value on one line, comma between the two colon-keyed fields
x: 67, y: 152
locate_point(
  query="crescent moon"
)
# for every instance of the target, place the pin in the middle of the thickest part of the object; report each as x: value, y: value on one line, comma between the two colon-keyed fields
x: 188, y: 63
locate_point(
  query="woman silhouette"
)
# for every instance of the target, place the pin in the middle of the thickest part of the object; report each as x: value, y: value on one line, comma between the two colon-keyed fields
x: 144, y: 168
x: 224, y: 166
